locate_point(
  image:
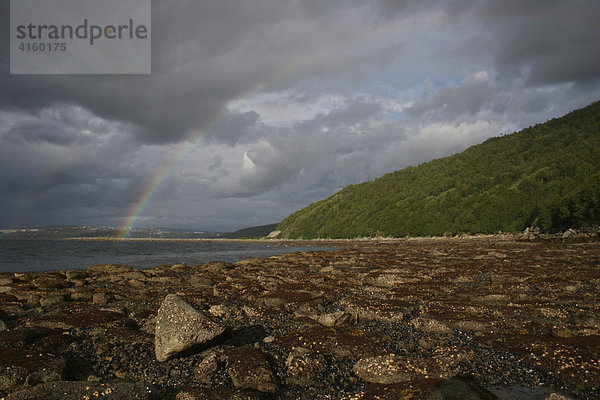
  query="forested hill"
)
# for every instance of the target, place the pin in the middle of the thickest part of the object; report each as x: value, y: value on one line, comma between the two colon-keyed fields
x: 547, y: 175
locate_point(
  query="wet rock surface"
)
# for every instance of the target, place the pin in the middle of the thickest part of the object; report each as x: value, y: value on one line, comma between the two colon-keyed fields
x: 467, y: 318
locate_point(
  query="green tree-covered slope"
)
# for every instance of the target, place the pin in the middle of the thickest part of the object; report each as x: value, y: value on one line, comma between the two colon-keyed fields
x: 547, y: 175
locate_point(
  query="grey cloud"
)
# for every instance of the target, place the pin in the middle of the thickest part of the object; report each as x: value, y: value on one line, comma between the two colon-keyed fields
x: 191, y: 83
x: 82, y: 149
x: 474, y: 95
x: 354, y: 112
x: 204, y: 55
x: 514, y: 105
x: 320, y: 155
x: 61, y: 126
x: 61, y: 160
x: 216, y: 162
x: 392, y: 8
x: 42, y: 132
x: 233, y: 128
x: 161, y: 112
x: 549, y: 42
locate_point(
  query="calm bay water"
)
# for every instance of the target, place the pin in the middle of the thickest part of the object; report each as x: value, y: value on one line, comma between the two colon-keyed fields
x: 48, y: 255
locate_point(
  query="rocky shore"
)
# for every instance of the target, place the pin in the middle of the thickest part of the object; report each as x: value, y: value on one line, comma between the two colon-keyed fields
x: 494, y: 317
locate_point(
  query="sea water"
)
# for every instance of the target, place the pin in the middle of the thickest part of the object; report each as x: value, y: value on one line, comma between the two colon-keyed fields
x: 49, y: 255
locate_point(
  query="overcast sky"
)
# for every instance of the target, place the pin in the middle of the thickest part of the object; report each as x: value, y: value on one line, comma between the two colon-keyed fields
x: 314, y: 95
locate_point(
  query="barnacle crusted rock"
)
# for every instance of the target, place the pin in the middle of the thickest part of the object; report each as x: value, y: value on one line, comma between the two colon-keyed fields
x: 180, y: 327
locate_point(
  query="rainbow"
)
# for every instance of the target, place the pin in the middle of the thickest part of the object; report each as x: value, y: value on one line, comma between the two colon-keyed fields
x: 138, y: 207
x: 157, y: 180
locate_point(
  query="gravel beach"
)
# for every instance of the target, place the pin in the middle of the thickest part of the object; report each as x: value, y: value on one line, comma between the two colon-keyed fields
x: 490, y: 317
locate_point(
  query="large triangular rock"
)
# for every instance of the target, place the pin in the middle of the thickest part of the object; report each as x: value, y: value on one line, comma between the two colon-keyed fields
x: 180, y: 327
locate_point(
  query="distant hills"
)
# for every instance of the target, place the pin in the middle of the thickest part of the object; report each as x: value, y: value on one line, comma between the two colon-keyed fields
x: 88, y: 231
x: 84, y: 231
x: 546, y: 176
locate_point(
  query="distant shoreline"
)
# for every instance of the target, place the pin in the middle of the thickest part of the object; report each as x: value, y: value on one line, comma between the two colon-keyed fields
x: 570, y: 234
x: 223, y: 240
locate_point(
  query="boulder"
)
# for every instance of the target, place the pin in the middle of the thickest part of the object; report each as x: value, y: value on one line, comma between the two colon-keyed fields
x: 180, y: 327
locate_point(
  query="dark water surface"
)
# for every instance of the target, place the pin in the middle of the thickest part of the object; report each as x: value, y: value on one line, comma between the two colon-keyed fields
x: 48, y: 255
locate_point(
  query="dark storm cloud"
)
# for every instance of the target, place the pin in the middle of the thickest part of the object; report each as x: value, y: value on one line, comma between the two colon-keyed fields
x: 160, y: 111
x: 200, y: 61
x: 62, y: 159
x: 549, y: 42
x: 314, y: 95
x: 204, y: 55
x: 207, y: 53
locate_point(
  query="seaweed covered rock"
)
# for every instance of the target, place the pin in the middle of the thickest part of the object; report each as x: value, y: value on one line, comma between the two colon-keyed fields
x: 77, y: 390
x: 23, y: 367
x: 249, y: 369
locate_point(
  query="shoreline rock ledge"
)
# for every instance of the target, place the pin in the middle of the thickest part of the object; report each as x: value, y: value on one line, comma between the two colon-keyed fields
x: 181, y: 327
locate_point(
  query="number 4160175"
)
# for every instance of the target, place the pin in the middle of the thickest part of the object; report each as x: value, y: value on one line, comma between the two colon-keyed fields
x: 50, y: 46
